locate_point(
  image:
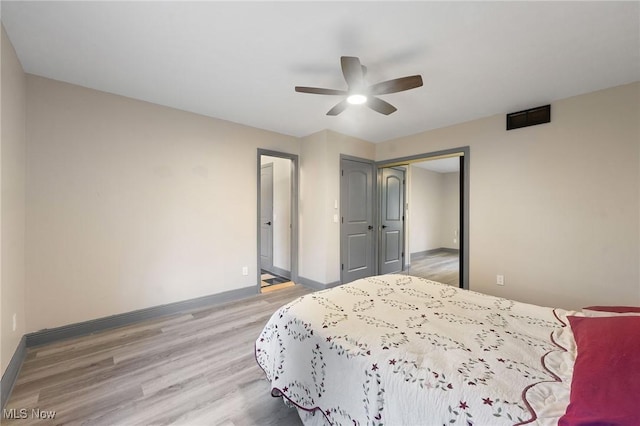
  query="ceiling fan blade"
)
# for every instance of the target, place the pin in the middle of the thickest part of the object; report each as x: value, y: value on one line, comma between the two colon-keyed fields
x: 380, y: 106
x: 352, y: 71
x: 338, y: 108
x: 396, y: 85
x: 320, y: 91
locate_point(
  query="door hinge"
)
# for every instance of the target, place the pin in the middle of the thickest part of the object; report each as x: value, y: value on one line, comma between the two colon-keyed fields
x: 403, y: 217
x: 342, y: 218
x: 342, y: 266
x: 342, y: 172
x: 402, y: 254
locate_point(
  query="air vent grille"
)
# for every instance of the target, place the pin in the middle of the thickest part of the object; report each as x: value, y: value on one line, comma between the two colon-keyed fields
x: 529, y: 117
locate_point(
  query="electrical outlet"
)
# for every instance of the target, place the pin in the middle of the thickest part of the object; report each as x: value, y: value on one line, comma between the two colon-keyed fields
x: 15, y: 322
x: 500, y: 279
x: 245, y: 270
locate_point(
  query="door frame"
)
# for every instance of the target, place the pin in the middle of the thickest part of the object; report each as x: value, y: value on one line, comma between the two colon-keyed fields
x: 374, y: 218
x: 294, y: 210
x: 463, y: 268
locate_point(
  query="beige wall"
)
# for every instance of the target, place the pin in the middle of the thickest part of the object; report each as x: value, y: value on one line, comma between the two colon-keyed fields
x: 12, y: 211
x: 450, y: 235
x: 434, y: 210
x: 319, y: 191
x: 132, y: 205
x: 553, y: 207
x: 313, y: 222
x: 424, y: 224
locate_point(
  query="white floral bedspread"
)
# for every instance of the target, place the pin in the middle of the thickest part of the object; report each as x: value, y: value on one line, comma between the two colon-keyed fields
x: 400, y: 350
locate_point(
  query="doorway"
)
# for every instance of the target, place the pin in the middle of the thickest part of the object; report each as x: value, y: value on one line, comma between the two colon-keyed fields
x: 436, y: 210
x: 365, y: 250
x: 277, y: 225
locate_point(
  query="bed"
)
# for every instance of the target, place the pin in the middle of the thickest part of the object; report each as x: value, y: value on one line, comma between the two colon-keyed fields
x: 402, y: 350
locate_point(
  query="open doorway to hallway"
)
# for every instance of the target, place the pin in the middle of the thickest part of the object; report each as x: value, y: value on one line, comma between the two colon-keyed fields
x: 277, y: 224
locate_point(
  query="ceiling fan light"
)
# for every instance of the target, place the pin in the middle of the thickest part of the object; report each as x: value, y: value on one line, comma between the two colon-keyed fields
x: 357, y: 99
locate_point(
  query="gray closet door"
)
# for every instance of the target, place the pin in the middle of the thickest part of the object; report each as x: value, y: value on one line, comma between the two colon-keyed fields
x: 356, y: 232
x: 266, y: 217
x: 392, y: 221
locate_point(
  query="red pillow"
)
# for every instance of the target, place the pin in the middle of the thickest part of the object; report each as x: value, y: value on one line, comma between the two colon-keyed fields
x: 617, y: 309
x: 605, y: 386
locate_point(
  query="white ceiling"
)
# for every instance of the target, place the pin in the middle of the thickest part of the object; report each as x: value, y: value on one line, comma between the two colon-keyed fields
x: 240, y: 61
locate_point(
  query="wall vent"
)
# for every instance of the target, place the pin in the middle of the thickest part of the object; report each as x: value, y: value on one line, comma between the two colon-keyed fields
x: 529, y: 117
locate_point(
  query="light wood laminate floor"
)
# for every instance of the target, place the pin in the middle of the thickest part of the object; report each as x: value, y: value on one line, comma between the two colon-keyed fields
x: 442, y: 266
x: 193, y: 368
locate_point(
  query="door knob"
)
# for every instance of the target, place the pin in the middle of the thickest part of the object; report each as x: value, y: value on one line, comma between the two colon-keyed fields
x: 268, y: 223
x: 370, y: 227
x: 384, y: 226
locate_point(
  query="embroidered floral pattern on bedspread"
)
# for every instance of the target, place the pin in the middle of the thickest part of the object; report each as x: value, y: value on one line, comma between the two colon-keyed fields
x: 403, y: 350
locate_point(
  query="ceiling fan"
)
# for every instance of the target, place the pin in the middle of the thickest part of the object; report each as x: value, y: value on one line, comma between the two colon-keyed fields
x: 358, y: 93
